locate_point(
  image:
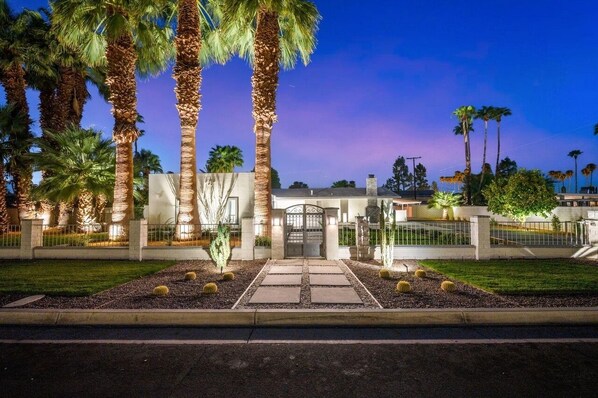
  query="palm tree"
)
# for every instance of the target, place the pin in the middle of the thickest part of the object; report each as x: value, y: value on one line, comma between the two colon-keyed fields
x: 485, y: 113
x: 465, y: 115
x: 79, y: 165
x: 223, y: 159
x: 270, y: 34
x: 147, y: 162
x: 444, y: 201
x: 568, y: 175
x: 126, y: 37
x: 591, y: 167
x: 20, y: 54
x: 575, y: 154
x: 498, y: 114
x: 596, y: 129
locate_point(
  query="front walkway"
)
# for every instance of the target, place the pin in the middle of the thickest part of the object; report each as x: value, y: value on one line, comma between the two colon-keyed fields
x: 306, y: 283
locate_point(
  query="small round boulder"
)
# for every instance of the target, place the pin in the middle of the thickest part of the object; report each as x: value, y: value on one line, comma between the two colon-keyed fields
x: 403, y: 287
x: 210, y: 288
x: 190, y: 276
x: 160, y: 290
x: 448, y: 286
x: 228, y: 276
x: 384, y: 273
x: 420, y: 273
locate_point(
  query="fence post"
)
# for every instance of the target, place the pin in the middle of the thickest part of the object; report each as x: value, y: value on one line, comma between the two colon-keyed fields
x: 480, y: 236
x: 277, y: 234
x: 331, y: 233
x: 32, y: 236
x: 247, y: 239
x: 137, y: 239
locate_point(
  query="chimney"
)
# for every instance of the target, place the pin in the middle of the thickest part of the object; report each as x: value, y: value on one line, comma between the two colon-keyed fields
x: 371, y: 186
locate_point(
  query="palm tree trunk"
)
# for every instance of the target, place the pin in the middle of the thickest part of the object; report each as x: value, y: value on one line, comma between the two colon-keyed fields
x: 497, y: 147
x: 265, y: 83
x: 4, y: 220
x: 13, y: 80
x: 187, y: 74
x: 467, y: 170
x: 100, y: 206
x: 85, y: 213
x: 121, y: 82
x: 575, y: 174
x: 484, y: 155
x: 64, y: 96
x: 64, y: 212
x: 79, y: 98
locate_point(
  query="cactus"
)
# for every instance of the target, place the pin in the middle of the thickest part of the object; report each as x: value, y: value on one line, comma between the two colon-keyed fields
x: 228, y: 276
x: 220, y: 247
x: 189, y: 276
x: 210, y: 288
x: 160, y: 290
x: 448, y: 286
x: 403, y: 287
x: 384, y: 273
x: 420, y: 273
x: 388, y: 230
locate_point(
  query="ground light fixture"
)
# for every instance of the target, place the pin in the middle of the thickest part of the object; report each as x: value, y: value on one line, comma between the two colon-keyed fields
x: 276, y: 221
x: 331, y: 220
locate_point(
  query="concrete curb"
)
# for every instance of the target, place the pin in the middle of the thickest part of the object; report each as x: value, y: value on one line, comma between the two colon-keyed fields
x: 272, y: 318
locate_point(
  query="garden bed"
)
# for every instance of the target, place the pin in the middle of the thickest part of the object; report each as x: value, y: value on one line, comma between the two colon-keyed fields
x: 426, y: 292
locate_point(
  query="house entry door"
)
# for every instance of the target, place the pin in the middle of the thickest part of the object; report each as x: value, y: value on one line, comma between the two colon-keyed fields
x: 304, y: 231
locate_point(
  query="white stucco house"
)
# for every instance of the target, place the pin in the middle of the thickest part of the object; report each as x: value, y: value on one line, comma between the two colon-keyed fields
x: 351, y: 202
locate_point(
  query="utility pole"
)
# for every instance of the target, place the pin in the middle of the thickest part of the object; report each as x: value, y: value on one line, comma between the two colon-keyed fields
x: 414, y: 187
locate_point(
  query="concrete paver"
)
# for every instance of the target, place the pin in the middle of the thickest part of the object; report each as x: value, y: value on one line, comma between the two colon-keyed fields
x: 334, y: 295
x: 321, y: 262
x: 24, y: 301
x: 329, y: 280
x: 276, y: 295
x: 286, y: 269
x: 277, y: 280
x: 319, y: 269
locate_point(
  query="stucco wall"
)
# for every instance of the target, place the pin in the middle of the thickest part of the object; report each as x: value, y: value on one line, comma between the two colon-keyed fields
x: 465, y: 212
x: 164, y: 188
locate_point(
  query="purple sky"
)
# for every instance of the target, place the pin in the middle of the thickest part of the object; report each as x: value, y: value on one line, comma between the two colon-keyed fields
x: 384, y: 83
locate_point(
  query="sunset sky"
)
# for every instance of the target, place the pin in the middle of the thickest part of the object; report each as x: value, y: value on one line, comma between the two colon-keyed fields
x: 384, y: 81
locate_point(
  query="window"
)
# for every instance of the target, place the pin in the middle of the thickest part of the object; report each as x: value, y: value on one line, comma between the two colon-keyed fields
x: 231, y: 214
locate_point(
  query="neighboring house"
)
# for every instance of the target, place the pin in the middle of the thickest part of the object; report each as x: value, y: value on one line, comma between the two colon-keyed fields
x: 351, y: 202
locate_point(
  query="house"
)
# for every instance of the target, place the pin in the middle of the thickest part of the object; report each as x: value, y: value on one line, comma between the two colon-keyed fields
x: 351, y: 202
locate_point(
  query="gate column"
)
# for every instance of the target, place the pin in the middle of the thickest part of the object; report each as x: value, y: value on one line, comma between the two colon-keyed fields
x: 277, y: 234
x: 331, y: 233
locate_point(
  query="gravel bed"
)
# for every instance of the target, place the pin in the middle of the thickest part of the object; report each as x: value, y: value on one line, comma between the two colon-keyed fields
x: 426, y: 292
x: 305, y: 296
x: 183, y: 294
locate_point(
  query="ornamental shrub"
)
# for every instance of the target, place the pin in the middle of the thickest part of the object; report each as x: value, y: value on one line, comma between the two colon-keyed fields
x: 448, y: 286
x: 228, y: 276
x: 210, y: 288
x: 420, y: 273
x: 403, y: 287
x: 384, y: 273
x: 190, y: 276
x: 160, y: 291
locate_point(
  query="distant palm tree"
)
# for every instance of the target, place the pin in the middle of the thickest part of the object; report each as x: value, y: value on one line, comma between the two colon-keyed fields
x: 575, y: 154
x: 128, y: 38
x: 569, y: 174
x: 485, y: 113
x: 146, y: 162
x: 586, y: 173
x: 80, y: 166
x: 270, y: 34
x: 444, y: 201
x: 591, y: 168
x: 498, y: 114
x: 465, y: 115
x: 596, y: 129
x: 224, y: 159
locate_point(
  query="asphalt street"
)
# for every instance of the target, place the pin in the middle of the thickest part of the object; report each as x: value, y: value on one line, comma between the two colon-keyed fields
x: 299, y: 362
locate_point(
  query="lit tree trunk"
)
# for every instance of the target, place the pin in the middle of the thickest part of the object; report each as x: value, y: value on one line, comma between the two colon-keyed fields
x: 85, y: 214
x: 13, y: 80
x: 265, y: 83
x: 467, y: 170
x: 64, y: 212
x: 497, y: 146
x: 101, y: 202
x: 47, y: 119
x: 121, y: 82
x: 187, y: 74
x: 484, y: 155
x: 4, y: 220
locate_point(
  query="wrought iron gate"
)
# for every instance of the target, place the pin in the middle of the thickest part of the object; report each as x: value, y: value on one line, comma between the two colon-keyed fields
x: 304, y: 231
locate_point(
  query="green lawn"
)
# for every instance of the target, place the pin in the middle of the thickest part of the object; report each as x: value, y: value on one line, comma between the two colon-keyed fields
x: 550, y: 276
x: 71, y: 277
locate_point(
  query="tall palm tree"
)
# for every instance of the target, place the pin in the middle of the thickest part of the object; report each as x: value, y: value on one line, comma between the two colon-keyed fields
x: 485, y: 113
x: 20, y: 54
x: 465, y: 115
x: 125, y: 37
x: 498, y: 114
x: 591, y: 168
x: 575, y: 154
x: 223, y: 159
x: 270, y: 34
x: 198, y: 41
x: 79, y: 165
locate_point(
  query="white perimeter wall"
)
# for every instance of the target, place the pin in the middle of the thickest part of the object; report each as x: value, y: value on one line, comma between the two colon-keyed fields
x: 164, y: 188
x: 465, y: 212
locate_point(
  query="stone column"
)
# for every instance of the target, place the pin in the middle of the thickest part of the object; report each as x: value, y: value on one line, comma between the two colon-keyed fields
x: 480, y: 236
x: 247, y: 239
x: 278, y: 234
x: 137, y: 239
x: 331, y: 233
x: 32, y: 236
